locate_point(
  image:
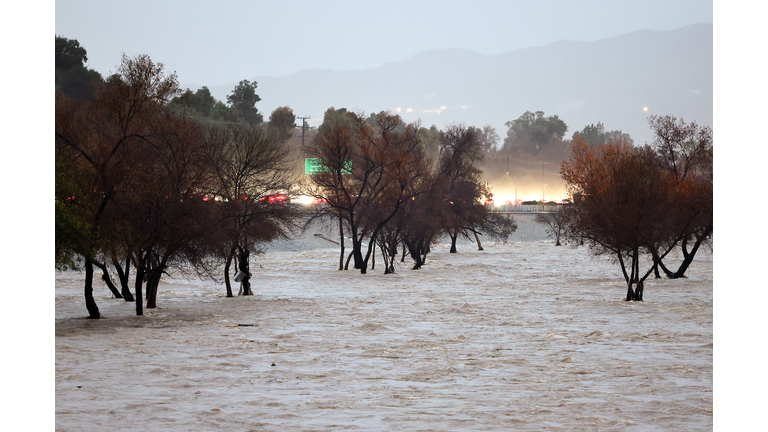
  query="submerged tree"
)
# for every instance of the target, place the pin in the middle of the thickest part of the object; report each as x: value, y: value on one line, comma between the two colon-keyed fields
x: 624, y: 204
x: 685, y: 151
x: 247, y: 166
x: 101, y: 138
x: 463, y: 190
x: 425, y: 220
x: 555, y: 223
x: 371, y: 166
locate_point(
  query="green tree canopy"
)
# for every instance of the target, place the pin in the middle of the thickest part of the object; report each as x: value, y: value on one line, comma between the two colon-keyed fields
x: 282, y: 122
x: 221, y: 112
x: 72, y: 77
x: 488, y: 137
x: 201, y: 100
x: 243, y: 99
x: 69, y: 53
x: 429, y: 139
x: 532, y: 131
x: 597, y: 135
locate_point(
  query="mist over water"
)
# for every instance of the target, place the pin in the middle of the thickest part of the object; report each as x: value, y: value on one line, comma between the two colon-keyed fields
x: 527, y: 173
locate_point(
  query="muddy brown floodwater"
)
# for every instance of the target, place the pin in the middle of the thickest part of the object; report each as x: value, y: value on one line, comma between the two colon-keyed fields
x: 522, y: 336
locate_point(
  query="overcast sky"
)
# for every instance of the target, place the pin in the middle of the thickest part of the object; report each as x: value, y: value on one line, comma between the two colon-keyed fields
x: 213, y: 43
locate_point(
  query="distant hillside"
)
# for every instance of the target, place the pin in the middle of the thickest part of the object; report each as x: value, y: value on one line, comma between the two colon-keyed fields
x: 608, y: 81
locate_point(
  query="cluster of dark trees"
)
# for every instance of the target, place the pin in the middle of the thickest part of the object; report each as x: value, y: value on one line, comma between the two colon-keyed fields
x: 140, y: 185
x: 72, y: 77
x: 634, y: 202
x: 202, y: 107
x: 152, y: 177
x: 380, y: 182
x: 533, y: 132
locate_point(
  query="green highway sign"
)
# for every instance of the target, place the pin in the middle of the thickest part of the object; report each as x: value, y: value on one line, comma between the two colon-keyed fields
x: 315, y: 166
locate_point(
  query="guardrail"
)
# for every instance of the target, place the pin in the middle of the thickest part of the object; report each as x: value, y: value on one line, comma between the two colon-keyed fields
x: 525, y: 208
x: 503, y: 208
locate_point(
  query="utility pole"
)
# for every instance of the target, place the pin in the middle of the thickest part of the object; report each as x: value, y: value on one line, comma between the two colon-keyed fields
x: 303, y: 127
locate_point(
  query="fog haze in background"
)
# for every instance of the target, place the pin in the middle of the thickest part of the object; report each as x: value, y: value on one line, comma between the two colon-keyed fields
x: 211, y: 43
x: 440, y: 62
x: 617, y: 81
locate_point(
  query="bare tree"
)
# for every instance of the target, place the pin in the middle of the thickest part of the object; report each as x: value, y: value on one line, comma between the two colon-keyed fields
x: 463, y: 189
x: 334, y: 145
x: 555, y: 223
x: 250, y: 180
x: 685, y: 150
x: 425, y: 220
x: 371, y: 166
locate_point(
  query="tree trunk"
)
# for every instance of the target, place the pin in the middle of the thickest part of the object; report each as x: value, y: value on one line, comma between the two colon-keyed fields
x: 349, y: 257
x: 152, y: 269
x: 245, y: 268
x: 385, y: 256
x: 639, y: 291
x: 453, y: 236
x: 389, y: 257
x: 657, y: 263
x: 227, y: 283
x: 477, y: 239
x: 414, y: 250
x: 688, y: 256
x: 373, y: 258
x: 341, y: 243
x: 152, y: 283
x: 357, y: 254
x: 371, y: 250
x: 664, y: 268
x: 90, y: 303
x: 137, y: 288
x: 364, y: 265
x: 151, y: 289
x: 627, y: 277
x: 107, y: 280
x: 635, y: 294
x: 123, y: 276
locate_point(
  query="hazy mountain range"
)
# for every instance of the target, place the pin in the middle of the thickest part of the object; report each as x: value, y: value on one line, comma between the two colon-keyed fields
x: 610, y: 81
